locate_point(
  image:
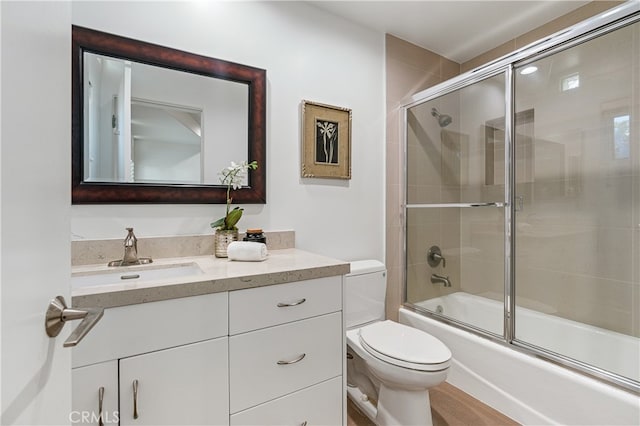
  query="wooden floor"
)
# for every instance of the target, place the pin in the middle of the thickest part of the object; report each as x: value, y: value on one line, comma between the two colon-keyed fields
x: 449, y: 407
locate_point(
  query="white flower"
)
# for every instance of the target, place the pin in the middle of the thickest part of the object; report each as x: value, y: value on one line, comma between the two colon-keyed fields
x: 234, y: 175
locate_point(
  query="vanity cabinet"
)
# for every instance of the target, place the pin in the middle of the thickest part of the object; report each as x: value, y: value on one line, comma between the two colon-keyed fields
x: 265, y: 356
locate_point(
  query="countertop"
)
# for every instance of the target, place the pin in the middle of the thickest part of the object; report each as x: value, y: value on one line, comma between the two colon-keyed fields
x: 281, y: 266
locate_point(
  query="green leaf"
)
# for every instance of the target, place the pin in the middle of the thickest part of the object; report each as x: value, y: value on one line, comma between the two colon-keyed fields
x: 233, y: 217
x: 218, y: 223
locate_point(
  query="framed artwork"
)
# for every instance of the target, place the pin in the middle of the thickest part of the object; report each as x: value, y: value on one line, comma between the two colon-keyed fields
x: 326, y: 141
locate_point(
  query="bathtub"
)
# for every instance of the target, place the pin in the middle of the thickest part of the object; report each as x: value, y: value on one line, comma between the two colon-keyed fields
x: 528, y: 389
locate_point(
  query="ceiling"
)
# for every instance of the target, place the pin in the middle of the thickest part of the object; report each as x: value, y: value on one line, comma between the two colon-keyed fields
x: 458, y: 30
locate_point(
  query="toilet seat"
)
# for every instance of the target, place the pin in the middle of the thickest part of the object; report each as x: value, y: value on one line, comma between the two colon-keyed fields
x: 404, y: 346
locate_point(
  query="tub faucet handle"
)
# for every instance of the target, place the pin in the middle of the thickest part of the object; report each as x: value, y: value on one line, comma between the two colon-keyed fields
x: 434, y: 256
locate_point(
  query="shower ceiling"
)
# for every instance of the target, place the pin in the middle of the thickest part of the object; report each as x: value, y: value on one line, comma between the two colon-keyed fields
x: 458, y: 30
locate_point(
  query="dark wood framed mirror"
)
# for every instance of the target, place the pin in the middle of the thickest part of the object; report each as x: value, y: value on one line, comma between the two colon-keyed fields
x: 152, y: 124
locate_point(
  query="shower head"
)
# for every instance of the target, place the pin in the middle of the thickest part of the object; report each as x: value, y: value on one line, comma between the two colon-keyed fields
x: 443, y: 119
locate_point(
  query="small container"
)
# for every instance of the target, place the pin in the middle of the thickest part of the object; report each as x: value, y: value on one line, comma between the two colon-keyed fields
x: 255, y: 236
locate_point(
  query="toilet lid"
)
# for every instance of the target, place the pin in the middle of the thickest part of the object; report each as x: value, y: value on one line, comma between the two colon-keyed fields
x: 404, y: 346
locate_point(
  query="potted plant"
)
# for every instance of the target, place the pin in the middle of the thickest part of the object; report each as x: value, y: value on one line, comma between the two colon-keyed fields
x: 226, y: 229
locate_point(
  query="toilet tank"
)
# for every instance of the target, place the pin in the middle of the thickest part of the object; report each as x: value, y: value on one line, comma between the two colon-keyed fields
x: 365, y: 291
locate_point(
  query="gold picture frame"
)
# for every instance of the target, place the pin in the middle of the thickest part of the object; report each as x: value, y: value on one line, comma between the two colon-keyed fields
x: 326, y: 141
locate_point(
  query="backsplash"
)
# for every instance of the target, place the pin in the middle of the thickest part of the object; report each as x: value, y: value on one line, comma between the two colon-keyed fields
x: 89, y: 252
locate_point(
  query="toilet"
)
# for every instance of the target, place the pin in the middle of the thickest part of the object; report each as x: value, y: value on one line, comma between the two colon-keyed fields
x: 390, y: 366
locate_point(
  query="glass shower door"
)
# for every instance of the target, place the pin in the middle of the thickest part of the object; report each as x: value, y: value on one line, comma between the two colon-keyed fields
x: 455, y: 197
x: 576, y: 234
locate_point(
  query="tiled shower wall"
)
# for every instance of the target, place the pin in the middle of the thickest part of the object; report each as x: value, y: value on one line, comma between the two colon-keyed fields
x: 410, y: 69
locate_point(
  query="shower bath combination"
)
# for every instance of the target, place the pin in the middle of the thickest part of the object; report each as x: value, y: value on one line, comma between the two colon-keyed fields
x: 523, y: 200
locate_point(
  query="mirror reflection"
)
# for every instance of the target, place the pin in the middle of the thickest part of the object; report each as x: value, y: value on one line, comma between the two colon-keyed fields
x: 148, y: 124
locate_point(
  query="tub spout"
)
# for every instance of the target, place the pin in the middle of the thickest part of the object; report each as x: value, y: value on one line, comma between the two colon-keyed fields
x: 440, y: 279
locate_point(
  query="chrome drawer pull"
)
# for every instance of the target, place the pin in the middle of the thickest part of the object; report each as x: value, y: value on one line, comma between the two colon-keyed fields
x: 100, y: 399
x: 293, y: 361
x: 135, y: 399
x: 286, y: 305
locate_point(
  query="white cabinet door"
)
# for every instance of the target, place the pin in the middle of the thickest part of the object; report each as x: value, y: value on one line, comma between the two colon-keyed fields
x: 94, y: 394
x: 186, y: 385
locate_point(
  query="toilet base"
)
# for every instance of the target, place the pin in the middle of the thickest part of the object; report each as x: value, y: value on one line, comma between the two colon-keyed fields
x: 403, y: 407
x: 409, y: 407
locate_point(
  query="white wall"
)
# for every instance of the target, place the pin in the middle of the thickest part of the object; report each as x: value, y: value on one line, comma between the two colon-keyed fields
x: 308, y: 54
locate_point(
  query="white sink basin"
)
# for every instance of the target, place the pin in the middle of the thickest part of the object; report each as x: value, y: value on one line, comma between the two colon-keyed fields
x: 131, y: 274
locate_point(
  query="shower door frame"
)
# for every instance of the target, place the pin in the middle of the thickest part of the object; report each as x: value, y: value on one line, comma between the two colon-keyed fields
x: 611, y: 20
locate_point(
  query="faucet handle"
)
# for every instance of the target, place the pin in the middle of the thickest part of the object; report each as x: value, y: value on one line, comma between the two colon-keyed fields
x: 130, y: 240
x: 434, y: 256
x: 130, y: 249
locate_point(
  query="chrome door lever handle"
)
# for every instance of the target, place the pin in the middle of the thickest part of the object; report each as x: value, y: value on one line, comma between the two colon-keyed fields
x: 58, y: 314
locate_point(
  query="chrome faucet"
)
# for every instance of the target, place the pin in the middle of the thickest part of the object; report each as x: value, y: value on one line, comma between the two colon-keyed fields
x: 440, y: 279
x: 130, y: 249
x: 130, y: 252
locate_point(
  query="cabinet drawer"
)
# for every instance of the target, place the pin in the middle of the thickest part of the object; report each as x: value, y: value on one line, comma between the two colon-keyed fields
x: 136, y: 329
x: 317, y: 405
x: 256, y: 308
x: 257, y: 377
